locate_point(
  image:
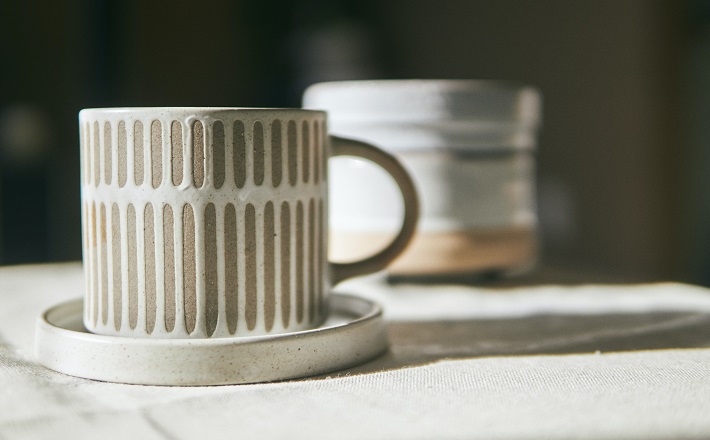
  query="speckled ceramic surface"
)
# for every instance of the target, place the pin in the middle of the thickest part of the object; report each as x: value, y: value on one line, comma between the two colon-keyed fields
x: 353, y: 334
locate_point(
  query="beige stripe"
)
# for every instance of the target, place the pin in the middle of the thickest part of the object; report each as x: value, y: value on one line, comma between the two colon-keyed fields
x: 313, y: 261
x: 108, y: 170
x: 299, y: 261
x: 239, y: 160
x: 94, y: 267
x: 97, y: 157
x: 269, y: 267
x: 318, y: 147
x: 307, y: 145
x: 198, y: 154
x: 104, y: 265
x: 176, y: 149
x: 116, y: 258
x: 285, y: 264
x: 250, y: 265
x: 321, y: 259
x: 88, y: 269
x: 258, y: 137
x: 82, y: 152
x: 86, y: 227
x: 323, y: 153
x: 169, y: 267
x: 218, y: 160
x: 150, y: 284
x: 132, y: 268
x: 189, y: 268
x: 291, y: 139
x: 276, y: 146
x: 138, y: 169
x: 156, y: 153
x: 211, y: 281
x: 86, y: 151
x: 122, y: 155
x: 230, y: 261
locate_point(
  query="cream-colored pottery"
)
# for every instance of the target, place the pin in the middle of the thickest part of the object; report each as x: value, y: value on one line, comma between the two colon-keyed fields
x: 212, y: 222
x: 354, y: 333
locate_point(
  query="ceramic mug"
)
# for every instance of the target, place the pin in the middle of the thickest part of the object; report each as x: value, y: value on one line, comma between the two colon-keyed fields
x: 212, y: 222
x: 471, y: 148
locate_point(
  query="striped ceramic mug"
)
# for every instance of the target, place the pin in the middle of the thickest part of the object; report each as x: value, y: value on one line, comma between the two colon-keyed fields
x: 212, y: 222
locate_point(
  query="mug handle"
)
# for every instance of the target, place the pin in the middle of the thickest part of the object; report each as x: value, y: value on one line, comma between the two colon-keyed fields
x: 348, y: 147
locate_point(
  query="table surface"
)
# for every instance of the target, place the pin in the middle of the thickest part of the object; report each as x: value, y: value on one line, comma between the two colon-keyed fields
x: 486, y: 361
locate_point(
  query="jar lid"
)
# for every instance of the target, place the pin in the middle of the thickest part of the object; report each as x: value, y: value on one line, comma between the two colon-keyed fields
x: 416, y: 114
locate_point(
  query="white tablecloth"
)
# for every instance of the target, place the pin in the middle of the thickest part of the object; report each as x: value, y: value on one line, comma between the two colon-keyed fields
x: 537, y: 362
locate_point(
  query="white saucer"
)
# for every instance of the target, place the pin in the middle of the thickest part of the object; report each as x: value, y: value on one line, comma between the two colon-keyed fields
x: 354, y: 333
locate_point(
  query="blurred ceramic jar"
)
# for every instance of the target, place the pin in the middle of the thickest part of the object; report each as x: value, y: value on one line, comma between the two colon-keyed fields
x: 470, y: 146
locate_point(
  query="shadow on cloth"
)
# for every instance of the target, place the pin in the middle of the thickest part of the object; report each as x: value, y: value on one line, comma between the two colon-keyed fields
x: 418, y: 343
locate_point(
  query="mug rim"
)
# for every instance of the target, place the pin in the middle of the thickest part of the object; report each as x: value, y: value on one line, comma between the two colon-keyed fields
x: 130, y: 110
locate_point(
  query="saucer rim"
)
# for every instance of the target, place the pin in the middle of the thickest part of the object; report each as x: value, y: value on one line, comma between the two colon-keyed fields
x: 374, y: 311
x: 364, y: 327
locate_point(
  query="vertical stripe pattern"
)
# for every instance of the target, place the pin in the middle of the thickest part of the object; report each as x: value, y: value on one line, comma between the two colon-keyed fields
x: 211, y: 277
x: 156, y: 153
x: 94, y: 302
x: 218, y: 164
x: 132, y: 267
x: 251, y: 262
x: 138, y: 170
x: 300, y: 263
x: 285, y: 264
x: 198, y: 154
x: 122, y: 155
x: 150, y: 283
x: 117, y: 266
x: 169, y: 275
x: 231, y: 270
x: 177, y: 153
x: 239, y: 248
x: 103, y: 244
x: 189, y: 268
x: 269, y: 267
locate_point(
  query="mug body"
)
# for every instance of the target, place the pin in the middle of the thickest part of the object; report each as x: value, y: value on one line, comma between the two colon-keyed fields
x: 204, y: 222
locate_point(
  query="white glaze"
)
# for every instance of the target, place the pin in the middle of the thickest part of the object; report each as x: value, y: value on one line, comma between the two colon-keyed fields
x: 469, y: 146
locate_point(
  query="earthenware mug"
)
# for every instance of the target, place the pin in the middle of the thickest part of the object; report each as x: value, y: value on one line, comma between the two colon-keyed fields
x: 470, y: 147
x: 212, y: 222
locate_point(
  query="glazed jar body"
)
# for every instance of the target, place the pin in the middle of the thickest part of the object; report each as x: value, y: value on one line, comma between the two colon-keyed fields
x: 477, y: 215
x: 470, y: 148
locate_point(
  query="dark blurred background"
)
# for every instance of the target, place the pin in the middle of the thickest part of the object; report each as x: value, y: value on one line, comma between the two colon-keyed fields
x: 624, y: 150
